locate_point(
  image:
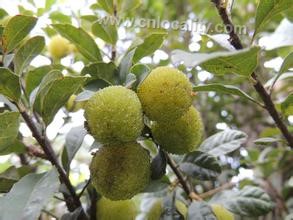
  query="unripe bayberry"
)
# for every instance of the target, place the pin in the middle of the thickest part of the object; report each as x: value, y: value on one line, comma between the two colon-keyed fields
x: 120, y: 171
x: 179, y: 136
x: 114, y: 115
x: 166, y: 94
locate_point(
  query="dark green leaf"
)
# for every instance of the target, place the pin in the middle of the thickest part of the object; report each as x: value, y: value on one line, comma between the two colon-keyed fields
x: 158, y: 166
x: 223, y: 142
x: 60, y: 17
x: 267, y: 10
x: 200, y: 165
x: 8, y: 128
x: 27, y: 53
x: 103, y: 71
x: 200, y: 211
x: 16, y: 30
x: 81, y: 39
x: 29, y: 196
x: 250, y: 201
x: 242, y: 62
x: 3, y: 13
x: 149, y: 45
x: 53, y: 93
x: 225, y: 89
x: 107, y: 32
x: 34, y: 77
x: 15, y: 147
x: 9, y: 84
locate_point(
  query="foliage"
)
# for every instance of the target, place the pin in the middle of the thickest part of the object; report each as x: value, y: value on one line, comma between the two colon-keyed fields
x: 244, y: 96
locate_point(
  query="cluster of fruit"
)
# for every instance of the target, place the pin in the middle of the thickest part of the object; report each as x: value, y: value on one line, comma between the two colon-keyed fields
x: 121, y: 167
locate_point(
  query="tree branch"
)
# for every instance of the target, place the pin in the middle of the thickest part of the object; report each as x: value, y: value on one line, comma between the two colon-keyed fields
x: 269, y: 105
x: 72, y: 201
x: 185, y: 185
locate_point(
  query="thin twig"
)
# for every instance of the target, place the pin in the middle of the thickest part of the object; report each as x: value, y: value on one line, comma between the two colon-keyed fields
x: 216, y: 190
x: 185, y: 185
x: 269, y: 105
x: 73, y: 201
x: 84, y: 188
x: 50, y: 213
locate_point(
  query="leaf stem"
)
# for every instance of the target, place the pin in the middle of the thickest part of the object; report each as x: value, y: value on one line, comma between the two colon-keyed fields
x: 269, y: 105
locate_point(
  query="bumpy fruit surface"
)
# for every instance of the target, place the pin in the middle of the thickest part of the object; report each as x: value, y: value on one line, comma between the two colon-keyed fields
x: 156, y: 209
x: 114, y: 115
x: 180, y: 136
x: 120, y: 171
x: 59, y: 47
x: 166, y: 94
x: 114, y: 210
x: 221, y: 213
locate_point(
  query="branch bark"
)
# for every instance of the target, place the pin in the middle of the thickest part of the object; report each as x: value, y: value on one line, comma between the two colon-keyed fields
x: 269, y: 105
x: 216, y: 190
x: 185, y: 185
x: 72, y: 201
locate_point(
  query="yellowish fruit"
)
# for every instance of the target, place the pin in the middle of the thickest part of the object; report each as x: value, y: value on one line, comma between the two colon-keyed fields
x: 156, y: 209
x: 59, y: 47
x: 221, y: 213
x: 166, y: 94
x: 179, y: 136
x: 120, y: 171
x: 116, y: 210
x: 114, y: 115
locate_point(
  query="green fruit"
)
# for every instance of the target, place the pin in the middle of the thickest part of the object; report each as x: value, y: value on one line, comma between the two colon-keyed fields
x: 180, y: 136
x: 221, y: 213
x: 114, y: 210
x: 120, y: 171
x: 114, y: 115
x: 59, y: 47
x: 156, y: 209
x: 166, y: 94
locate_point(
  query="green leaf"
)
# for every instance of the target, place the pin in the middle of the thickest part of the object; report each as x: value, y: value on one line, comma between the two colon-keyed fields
x: 200, y: 211
x: 267, y: 10
x: 223, y: 142
x: 15, y: 147
x: 158, y: 185
x: 225, y: 89
x: 16, y: 30
x: 128, y: 5
x: 81, y: 39
x: 158, y: 166
x: 107, y: 5
x: 125, y: 65
x: 3, y: 13
x: 73, y: 142
x: 241, y: 62
x: 250, y: 201
x: 34, y: 77
x: 27, y: 53
x: 8, y: 128
x: 286, y: 65
x: 200, y: 165
x: 53, y: 93
x: 107, y: 32
x: 103, y: 71
x: 29, y: 196
x: 287, y: 105
x: 11, y: 176
x: 149, y: 45
x: 60, y: 17
x: 9, y: 84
